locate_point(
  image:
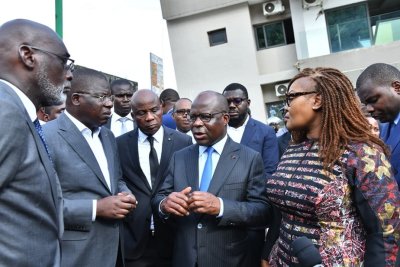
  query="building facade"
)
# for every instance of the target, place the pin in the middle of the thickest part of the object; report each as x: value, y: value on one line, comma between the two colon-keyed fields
x: 263, y: 44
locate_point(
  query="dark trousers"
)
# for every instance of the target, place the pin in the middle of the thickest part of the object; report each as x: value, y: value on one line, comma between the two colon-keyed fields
x: 150, y: 257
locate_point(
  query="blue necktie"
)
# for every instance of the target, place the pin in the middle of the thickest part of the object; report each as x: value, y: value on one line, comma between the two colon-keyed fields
x: 207, y: 172
x: 39, y: 130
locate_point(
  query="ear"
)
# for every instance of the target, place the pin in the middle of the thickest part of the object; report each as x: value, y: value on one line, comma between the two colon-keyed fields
x: 248, y: 102
x: 226, y: 118
x: 75, y: 99
x: 26, y: 56
x: 317, y: 102
x: 396, y: 86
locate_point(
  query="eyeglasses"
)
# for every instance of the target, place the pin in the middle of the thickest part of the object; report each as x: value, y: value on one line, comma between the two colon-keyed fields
x: 182, y: 112
x: 67, y: 62
x: 236, y: 100
x: 204, y: 117
x: 101, y: 98
x: 290, y: 97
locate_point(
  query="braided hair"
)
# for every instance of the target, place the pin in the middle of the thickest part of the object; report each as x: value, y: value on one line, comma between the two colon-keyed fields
x: 342, y: 119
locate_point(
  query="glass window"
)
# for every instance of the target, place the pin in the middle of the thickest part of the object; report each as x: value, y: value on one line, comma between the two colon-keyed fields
x: 348, y: 27
x: 217, y: 37
x: 274, y: 34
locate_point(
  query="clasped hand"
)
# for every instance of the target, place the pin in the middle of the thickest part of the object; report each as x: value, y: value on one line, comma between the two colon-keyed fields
x: 116, y: 207
x: 183, y: 202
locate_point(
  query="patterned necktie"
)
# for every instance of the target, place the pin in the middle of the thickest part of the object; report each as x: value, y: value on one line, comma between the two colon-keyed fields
x: 207, y: 171
x: 153, y: 161
x: 123, y: 121
x: 39, y: 130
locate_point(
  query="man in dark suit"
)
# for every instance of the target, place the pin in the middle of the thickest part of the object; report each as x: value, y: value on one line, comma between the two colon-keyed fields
x: 86, y: 159
x: 121, y: 120
x: 213, y: 213
x: 34, y: 69
x: 258, y: 136
x: 145, y: 154
x: 378, y: 87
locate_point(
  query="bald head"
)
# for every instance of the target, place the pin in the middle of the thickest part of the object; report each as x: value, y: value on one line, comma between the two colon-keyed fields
x: 214, y: 100
x: 33, y: 58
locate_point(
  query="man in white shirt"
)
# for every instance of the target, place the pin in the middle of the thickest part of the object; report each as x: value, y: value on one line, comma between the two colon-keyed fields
x: 121, y: 120
x: 85, y: 157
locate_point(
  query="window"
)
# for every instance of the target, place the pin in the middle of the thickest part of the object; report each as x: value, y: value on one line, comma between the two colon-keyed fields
x: 274, y: 34
x: 217, y: 37
x: 348, y: 27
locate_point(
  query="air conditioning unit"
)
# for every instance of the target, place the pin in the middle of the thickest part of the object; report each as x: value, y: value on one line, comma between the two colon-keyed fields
x: 310, y: 3
x: 281, y: 89
x: 273, y: 8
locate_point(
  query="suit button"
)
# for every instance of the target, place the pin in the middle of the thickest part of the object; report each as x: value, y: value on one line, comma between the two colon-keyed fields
x: 199, y: 226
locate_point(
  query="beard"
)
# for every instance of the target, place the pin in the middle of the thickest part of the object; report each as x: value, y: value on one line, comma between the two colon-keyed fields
x: 51, y: 94
x: 236, y: 122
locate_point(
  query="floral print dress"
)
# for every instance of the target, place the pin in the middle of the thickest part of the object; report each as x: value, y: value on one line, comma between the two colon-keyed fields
x: 350, y: 213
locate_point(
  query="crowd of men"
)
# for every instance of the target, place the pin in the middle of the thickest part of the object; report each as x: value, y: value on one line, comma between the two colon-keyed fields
x: 118, y: 177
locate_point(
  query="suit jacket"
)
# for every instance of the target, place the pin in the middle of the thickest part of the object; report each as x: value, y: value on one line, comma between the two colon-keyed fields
x: 262, y: 139
x: 30, y: 195
x: 85, y: 243
x: 239, y: 180
x: 137, y: 224
x: 394, y: 143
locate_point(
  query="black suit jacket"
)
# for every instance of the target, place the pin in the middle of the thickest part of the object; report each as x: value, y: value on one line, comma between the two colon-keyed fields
x: 239, y: 180
x: 137, y: 224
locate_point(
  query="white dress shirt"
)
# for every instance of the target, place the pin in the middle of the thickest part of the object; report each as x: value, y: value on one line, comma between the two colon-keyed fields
x: 236, y: 134
x: 218, y: 148
x: 96, y: 146
x: 116, y: 124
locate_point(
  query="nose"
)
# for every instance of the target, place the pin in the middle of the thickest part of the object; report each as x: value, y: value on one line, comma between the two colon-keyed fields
x: 231, y: 105
x: 69, y: 76
x: 149, y: 116
x: 197, y: 122
x: 369, y: 108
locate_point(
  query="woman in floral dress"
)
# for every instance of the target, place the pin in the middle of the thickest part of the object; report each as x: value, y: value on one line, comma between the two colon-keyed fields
x: 334, y: 184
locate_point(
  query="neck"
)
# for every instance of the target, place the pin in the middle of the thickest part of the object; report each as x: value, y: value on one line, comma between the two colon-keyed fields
x: 239, y: 122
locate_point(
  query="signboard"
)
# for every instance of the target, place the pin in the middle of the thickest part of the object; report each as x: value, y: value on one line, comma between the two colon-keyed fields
x: 157, y: 74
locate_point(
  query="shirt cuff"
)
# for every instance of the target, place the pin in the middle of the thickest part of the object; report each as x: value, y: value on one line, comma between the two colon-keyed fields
x: 221, y: 210
x: 94, y: 208
x: 163, y: 215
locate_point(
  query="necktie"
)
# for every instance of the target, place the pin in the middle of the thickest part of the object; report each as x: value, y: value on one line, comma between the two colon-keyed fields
x: 39, y: 130
x: 123, y: 121
x: 207, y: 171
x: 153, y: 160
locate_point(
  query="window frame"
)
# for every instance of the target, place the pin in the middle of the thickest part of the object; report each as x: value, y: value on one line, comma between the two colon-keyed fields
x: 209, y: 34
x: 255, y: 27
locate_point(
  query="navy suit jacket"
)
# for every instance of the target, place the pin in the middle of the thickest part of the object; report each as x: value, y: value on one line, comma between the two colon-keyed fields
x: 262, y: 139
x: 394, y: 143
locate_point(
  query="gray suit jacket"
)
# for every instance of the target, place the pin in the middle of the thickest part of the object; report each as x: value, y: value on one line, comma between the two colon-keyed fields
x: 85, y: 243
x: 240, y: 181
x: 30, y: 194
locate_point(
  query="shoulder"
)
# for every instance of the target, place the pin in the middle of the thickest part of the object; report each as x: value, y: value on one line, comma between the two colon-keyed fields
x: 177, y: 135
x: 261, y: 126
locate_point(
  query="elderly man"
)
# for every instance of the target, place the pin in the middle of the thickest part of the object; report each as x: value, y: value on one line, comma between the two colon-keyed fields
x: 378, y: 87
x: 145, y: 154
x: 214, y: 191
x: 86, y: 160
x: 35, y: 66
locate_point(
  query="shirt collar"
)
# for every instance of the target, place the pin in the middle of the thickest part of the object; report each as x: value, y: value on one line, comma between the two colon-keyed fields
x: 218, y: 147
x: 157, y: 136
x: 81, y: 127
x: 116, y: 117
x: 28, y: 104
x: 396, y: 121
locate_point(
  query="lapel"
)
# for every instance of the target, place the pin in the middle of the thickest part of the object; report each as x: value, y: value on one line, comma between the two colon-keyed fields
x: 133, y: 154
x: 75, y: 139
x: 108, y: 150
x: 227, y: 161
x: 167, y: 145
x: 383, y: 131
x: 249, y: 131
x: 394, y: 138
x: 192, y: 167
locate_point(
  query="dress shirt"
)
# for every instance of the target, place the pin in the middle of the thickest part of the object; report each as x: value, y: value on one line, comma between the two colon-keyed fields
x: 28, y: 104
x: 96, y: 146
x: 396, y: 121
x: 236, y: 134
x: 218, y: 148
x: 116, y: 124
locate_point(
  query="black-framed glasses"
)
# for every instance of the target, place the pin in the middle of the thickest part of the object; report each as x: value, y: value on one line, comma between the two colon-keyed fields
x: 100, y: 98
x: 67, y: 61
x: 236, y: 100
x: 182, y: 112
x: 291, y: 96
x: 204, y: 117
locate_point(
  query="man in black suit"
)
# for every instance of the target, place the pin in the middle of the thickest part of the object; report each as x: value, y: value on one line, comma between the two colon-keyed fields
x: 121, y: 120
x: 145, y: 154
x: 258, y: 136
x: 213, y: 213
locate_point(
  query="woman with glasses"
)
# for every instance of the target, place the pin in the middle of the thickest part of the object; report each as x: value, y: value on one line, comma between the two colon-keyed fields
x: 334, y: 183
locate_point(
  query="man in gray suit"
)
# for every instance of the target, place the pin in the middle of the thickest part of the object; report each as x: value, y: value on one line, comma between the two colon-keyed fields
x: 34, y: 68
x: 86, y: 160
x: 213, y: 213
